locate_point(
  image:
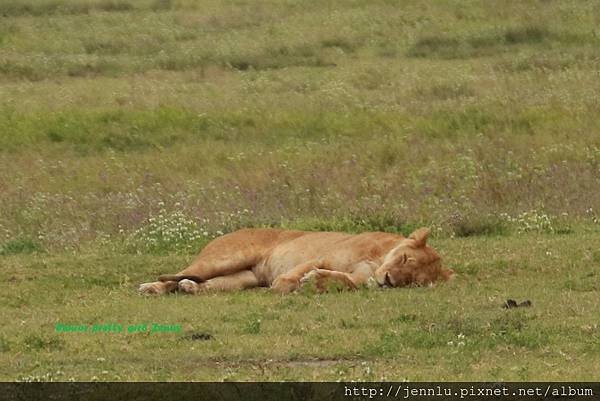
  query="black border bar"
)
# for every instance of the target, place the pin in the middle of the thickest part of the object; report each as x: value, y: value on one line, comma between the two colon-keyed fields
x: 267, y: 391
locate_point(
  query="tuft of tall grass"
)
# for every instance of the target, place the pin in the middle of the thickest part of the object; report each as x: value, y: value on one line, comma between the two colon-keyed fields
x: 15, y: 8
x: 19, y: 246
x: 490, y: 43
x: 477, y: 226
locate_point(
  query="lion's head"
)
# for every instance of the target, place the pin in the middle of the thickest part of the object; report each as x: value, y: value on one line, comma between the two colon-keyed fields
x: 412, y: 262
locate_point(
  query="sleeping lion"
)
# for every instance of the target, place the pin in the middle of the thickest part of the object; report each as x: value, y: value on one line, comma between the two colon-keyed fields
x: 284, y: 260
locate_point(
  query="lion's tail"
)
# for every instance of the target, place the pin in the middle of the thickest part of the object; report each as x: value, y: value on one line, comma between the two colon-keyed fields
x: 175, y: 277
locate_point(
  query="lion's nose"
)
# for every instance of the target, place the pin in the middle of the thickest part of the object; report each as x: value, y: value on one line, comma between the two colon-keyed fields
x: 388, y: 280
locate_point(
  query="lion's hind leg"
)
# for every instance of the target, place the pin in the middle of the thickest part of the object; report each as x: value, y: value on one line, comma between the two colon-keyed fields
x: 232, y: 282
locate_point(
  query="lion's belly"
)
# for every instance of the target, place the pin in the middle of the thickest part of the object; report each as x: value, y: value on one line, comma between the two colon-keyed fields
x: 267, y: 270
x: 270, y: 268
x: 313, y: 246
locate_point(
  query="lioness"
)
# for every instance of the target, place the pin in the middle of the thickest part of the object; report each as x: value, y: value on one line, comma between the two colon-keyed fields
x: 285, y: 259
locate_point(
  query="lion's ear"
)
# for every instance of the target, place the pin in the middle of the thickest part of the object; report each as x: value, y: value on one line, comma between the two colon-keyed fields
x: 420, y: 236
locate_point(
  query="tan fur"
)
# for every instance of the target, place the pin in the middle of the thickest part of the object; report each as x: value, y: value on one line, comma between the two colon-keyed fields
x: 285, y: 259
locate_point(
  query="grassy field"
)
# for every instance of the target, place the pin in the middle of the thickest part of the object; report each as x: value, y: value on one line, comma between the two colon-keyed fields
x: 456, y: 331
x: 134, y: 131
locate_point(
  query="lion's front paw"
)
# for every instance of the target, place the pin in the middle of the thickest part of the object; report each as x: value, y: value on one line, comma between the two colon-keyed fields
x: 314, y: 278
x: 151, y: 288
x: 313, y: 275
x: 285, y: 284
x: 188, y: 286
x: 326, y: 281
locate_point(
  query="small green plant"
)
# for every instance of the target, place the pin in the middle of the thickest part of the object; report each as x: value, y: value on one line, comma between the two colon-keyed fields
x: 37, y: 342
x: 253, y: 326
x: 404, y: 318
x: 19, y: 246
x: 5, y: 345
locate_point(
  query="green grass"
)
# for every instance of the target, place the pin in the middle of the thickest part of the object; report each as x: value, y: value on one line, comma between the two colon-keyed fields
x: 19, y: 245
x: 489, y: 43
x: 134, y: 132
x: 460, y: 326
